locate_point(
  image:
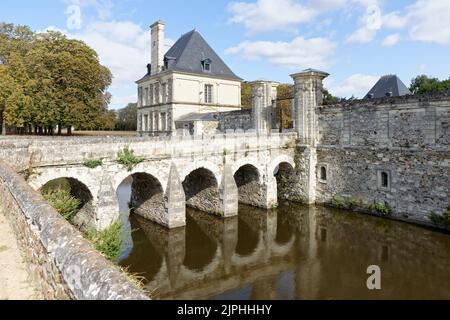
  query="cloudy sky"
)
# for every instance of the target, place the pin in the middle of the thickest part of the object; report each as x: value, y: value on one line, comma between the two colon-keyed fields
x: 356, y: 41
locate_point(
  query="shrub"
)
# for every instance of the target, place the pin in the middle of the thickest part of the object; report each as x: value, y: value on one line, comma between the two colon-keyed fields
x: 338, y: 202
x: 108, y: 241
x: 92, y: 164
x: 355, y: 203
x: 127, y: 158
x: 63, y: 202
x: 382, y: 208
x: 441, y: 220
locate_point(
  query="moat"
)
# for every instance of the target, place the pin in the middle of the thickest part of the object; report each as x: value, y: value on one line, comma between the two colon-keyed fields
x: 293, y: 252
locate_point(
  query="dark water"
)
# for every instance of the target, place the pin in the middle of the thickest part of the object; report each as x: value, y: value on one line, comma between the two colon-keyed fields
x: 293, y: 252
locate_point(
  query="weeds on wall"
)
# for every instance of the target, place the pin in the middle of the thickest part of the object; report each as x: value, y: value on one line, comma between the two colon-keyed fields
x: 441, y: 220
x: 127, y: 158
x: 108, y: 241
x: 63, y: 202
x: 92, y: 164
x: 350, y: 203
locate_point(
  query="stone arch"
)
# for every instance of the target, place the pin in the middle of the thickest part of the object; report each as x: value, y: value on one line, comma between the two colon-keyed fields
x: 195, y: 165
x: 285, y: 177
x: 85, y: 218
x: 246, y: 161
x: 274, y: 164
x: 250, y: 189
x: 201, y: 188
x: 141, y: 168
x: 147, y: 197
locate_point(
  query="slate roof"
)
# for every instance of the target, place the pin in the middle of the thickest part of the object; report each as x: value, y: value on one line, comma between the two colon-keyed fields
x: 188, y: 53
x: 386, y: 84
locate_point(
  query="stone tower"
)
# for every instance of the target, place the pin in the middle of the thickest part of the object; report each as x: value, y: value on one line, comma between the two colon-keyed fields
x: 263, y: 94
x: 157, y: 30
x: 308, y: 95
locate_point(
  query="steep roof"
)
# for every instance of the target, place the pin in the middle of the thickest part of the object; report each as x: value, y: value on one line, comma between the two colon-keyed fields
x: 188, y: 54
x: 388, y: 84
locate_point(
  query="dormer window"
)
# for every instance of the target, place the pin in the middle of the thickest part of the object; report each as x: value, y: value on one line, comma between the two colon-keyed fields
x: 206, y: 64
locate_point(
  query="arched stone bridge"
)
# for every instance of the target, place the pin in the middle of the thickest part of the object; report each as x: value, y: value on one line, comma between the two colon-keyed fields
x: 209, y: 173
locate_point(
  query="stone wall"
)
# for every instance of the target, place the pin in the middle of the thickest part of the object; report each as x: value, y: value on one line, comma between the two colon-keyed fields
x: 407, y: 138
x: 60, y: 261
x: 233, y: 120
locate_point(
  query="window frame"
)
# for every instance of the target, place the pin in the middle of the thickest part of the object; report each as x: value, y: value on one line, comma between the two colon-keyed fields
x: 381, y: 173
x: 319, y: 173
x: 209, y: 93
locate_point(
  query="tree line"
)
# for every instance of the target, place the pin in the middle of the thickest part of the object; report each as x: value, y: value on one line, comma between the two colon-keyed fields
x: 48, y: 81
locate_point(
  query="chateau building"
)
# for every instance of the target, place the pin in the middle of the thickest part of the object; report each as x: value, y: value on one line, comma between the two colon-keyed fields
x: 187, y: 82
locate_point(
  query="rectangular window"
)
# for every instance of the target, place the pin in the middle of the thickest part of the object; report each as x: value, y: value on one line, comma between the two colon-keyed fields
x: 208, y: 93
x: 140, y: 97
x: 164, y: 93
x: 151, y: 94
x: 384, y: 180
x: 146, y: 97
x: 163, y: 121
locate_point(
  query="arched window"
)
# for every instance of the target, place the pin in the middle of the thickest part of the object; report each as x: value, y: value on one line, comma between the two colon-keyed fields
x: 323, y: 173
x: 384, y: 180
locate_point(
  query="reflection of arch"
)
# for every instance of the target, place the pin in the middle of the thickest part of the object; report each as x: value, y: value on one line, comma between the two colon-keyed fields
x: 202, y: 191
x: 248, y: 239
x: 195, y: 259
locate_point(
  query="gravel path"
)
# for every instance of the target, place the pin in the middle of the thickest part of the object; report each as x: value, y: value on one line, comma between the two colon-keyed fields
x: 14, y: 283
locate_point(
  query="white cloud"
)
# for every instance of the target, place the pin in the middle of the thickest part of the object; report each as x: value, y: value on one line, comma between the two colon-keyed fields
x: 355, y: 85
x: 268, y: 15
x: 391, y: 40
x: 299, y: 53
x: 430, y: 21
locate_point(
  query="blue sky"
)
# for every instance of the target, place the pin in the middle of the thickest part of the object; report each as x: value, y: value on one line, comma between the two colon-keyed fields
x: 356, y: 41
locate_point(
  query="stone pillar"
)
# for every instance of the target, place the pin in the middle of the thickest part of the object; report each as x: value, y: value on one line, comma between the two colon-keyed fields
x: 175, y: 200
x: 308, y: 95
x: 263, y: 95
x: 107, y: 204
x: 228, y: 193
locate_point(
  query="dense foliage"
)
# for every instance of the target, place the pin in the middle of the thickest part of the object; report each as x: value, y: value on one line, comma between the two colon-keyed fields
x: 48, y: 80
x: 63, y: 202
x: 127, y: 118
x: 128, y: 159
x: 423, y: 84
x: 108, y: 241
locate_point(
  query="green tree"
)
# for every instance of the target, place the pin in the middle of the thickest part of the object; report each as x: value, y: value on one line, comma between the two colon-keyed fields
x: 285, y: 94
x: 127, y: 118
x: 423, y: 84
x: 51, y: 80
x: 246, y: 95
x: 329, y: 99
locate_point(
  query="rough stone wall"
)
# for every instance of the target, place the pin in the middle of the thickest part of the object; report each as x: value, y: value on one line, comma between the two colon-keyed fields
x: 406, y: 137
x: 250, y: 190
x: 60, y: 261
x: 147, y: 198
x: 233, y: 120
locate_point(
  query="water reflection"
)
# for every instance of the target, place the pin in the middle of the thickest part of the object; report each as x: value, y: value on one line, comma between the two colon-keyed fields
x: 293, y: 252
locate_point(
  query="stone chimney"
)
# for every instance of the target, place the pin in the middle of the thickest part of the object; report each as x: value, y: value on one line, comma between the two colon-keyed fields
x: 157, y: 47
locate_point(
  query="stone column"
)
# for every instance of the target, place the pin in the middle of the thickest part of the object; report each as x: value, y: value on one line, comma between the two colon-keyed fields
x: 263, y: 95
x: 107, y: 204
x: 308, y: 95
x: 175, y: 200
x: 228, y: 193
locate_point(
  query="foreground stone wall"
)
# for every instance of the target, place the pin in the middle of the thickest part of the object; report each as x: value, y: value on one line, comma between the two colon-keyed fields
x: 405, y: 138
x: 61, y: 262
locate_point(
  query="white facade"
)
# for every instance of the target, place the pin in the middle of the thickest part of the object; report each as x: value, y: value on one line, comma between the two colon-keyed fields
x: 168, y: 95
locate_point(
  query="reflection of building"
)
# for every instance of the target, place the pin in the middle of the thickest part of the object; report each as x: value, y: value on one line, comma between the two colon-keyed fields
x: 186, y: 82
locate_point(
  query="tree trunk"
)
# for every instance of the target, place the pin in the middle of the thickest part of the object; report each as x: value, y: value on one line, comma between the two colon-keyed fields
x: 59, y: 128
x: 69, y: 130
x: 3, y: 125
